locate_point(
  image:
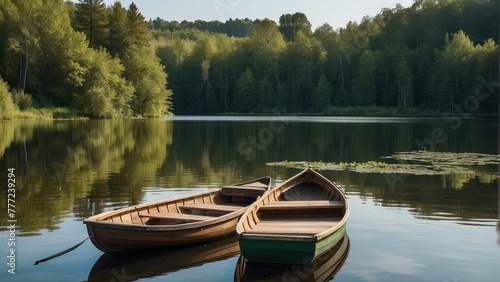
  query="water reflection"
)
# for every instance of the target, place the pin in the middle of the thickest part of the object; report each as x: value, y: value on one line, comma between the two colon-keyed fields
x: 132, y: 266
x: 81, y: 168
x: 68, y: 170
x: 95, y: 162
x: 324, y: 268
x: 474, y: 203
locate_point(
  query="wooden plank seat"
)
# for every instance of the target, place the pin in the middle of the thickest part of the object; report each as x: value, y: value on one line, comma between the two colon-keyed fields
x: 242, y: 191
x: 176, y: 216
x: 211, y: 208
x: 255, y: 184
x: 293, y: 226
x: 284, y: 205
x: 307, y: 231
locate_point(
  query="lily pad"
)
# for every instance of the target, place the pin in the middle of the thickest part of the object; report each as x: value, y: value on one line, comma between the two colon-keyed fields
x: 418, y: 163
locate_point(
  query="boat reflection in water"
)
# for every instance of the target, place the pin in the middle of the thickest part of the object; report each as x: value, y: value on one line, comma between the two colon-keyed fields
x: 324, y: 268
x: 135, y: 265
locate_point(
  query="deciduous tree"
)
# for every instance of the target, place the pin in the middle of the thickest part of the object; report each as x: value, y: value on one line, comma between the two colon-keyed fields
x: 291, y: 24
x: 143, y: 69
x: 7, y: 107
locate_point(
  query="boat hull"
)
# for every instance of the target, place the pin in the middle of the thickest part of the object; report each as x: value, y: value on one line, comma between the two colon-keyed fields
x: 282, y: 251
x: 112, y: 238
x: 323, y: 268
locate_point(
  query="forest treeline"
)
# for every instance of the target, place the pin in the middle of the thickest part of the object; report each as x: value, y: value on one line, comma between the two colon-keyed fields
x: 436, y: 56
x: 95, y: 60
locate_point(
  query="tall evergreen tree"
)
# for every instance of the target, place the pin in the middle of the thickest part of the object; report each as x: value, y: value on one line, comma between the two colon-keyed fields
x: 117, y: 43
x: 138, y: 33
x: 92, y: 19
x: 404, y: 84
x: 364, y: 88
x: 245, y: 93
x: 321, y: 95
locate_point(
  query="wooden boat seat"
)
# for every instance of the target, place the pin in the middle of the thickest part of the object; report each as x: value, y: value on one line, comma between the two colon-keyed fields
x: 243, y: 191
x: 177, y: 216
x: 211, y: 208
x: 294, y: 226
x: 282, y: 205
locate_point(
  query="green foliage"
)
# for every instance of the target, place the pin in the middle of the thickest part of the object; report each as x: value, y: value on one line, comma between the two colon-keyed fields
x: 364, y: 82
x: 137, y: 29
x: 117, y: 43
x: 103, y: 93
x: 396, y: 62
x: 432, y: 56
x: 22, y: 100
x: 7, y: 106
x: 44, y: 55
x: 291, y: 24
x: 149, y: 79
x: 320, y: 98
x: 245, y: 93
x: 91, y: 18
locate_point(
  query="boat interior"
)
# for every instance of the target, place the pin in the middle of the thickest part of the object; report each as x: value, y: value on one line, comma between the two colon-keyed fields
x: 304, y: 209
x: 197, y: 208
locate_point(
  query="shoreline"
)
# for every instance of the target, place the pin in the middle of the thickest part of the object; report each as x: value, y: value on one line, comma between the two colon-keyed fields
x: 347, y: 112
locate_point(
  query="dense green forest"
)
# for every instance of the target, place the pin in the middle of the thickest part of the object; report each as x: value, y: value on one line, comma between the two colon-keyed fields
x: 96, y: 60
x: 437, y: 56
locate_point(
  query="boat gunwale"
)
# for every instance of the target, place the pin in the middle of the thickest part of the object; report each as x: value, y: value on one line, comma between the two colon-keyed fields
x: 97, y: 220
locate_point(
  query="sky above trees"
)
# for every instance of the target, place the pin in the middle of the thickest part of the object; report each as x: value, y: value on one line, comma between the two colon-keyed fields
x: 337, y: 13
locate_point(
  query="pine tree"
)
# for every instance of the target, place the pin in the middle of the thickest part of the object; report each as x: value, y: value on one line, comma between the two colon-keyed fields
x: 138, y: 33
x: 92, y: 19
x: 364, y: 87
x: 404, y: 83
x: 266, y: 96
x: 245, y: 93
x: 320, y: 98
x: 117, y: 43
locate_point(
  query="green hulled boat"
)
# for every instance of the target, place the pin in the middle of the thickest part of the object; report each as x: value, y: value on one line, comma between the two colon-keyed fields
x: 294, y: 223
x: 324, y: 268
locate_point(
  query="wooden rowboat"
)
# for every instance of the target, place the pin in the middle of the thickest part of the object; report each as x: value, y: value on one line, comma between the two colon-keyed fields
x: 295, y: 222
x: 176, y: 221
x: 324, y: 268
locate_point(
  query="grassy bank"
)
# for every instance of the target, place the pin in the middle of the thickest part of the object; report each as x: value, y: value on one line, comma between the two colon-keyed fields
x: 45, y: 113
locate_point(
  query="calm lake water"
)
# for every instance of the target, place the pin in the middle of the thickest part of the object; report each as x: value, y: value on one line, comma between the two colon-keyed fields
x: 401, y: 227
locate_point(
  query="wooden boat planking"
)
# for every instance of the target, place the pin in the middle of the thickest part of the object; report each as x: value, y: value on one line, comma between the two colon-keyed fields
x: 295, y: 222
x: 176, y: 221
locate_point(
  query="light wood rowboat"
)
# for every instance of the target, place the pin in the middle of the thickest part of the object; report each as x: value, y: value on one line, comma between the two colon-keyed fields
x: 176, y: 221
